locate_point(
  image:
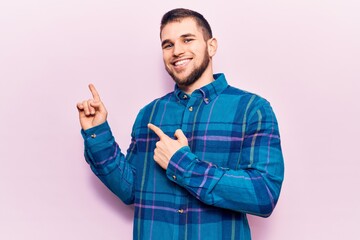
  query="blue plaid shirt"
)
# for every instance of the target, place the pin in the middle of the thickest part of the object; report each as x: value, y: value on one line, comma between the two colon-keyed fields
x: 233, y: 165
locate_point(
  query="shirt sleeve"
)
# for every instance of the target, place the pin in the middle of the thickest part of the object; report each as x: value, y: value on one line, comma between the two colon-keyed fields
x: 254, y: 187
x: 108, y: 163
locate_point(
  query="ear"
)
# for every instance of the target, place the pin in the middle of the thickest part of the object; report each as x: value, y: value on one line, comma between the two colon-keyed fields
x: 212, y: 46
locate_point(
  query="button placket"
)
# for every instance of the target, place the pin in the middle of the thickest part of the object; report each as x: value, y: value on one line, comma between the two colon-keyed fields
x: 189, y: 113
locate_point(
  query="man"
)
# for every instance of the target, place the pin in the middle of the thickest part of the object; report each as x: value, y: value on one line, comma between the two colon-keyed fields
x: 201, y: 157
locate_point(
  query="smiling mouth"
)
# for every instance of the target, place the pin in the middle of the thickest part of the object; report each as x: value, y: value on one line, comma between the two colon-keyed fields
x: 181, y: 62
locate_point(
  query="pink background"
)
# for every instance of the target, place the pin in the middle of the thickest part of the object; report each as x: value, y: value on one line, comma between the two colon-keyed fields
x: 303, y: 56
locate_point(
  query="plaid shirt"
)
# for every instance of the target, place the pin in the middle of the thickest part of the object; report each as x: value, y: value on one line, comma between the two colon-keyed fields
x: 232, y: 166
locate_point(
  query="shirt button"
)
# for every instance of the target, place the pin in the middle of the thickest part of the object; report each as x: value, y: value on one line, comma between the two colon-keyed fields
x: 174, y: 177
x: 191, y: 109
x: 185, y: 97
x: 180, y: 211
x: 93, y: 135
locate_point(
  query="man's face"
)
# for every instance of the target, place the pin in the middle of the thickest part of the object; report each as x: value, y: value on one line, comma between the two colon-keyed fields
x: 185, y: 51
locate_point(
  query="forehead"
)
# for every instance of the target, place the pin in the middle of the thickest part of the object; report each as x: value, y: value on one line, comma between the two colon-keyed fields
x: 176, y: 29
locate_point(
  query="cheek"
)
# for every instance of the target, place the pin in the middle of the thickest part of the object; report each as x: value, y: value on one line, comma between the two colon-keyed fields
x: 166, y: 58
x: 201, y: 55
x: 201, y: 51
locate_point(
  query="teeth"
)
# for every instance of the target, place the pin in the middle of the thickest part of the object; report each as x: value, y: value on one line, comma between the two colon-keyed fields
x: 181, y: 62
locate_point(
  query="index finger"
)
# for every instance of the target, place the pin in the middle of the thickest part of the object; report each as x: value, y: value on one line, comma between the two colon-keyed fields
x: 157, y: 131
x: 94, y: 92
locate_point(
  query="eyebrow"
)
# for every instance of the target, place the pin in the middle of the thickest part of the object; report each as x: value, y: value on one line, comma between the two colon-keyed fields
x: 182, y: 36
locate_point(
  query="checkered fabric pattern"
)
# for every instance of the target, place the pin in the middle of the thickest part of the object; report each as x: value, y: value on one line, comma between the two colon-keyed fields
x: 233, y: 165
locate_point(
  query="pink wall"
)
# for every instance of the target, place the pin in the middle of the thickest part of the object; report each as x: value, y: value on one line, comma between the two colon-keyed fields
x: 303, y: 56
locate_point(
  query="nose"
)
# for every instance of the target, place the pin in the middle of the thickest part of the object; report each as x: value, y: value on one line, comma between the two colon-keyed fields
x: 178, y: 49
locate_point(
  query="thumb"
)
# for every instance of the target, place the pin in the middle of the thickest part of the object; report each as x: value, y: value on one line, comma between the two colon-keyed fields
x: 180, y: 136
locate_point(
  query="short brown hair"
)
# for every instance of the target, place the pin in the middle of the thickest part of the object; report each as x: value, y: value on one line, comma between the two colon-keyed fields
x: 178, y: 14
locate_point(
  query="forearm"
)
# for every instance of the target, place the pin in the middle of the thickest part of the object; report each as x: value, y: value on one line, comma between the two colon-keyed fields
x: 252, y: 185
x: 108, y: 163
x: 245, y: 190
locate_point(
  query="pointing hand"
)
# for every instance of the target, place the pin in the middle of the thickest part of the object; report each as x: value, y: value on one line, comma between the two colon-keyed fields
x: 92, y: 112
x: 166, y: 146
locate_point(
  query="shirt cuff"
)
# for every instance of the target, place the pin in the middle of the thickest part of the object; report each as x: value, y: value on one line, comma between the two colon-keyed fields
x: 178, y: 168
x: 98, y: 134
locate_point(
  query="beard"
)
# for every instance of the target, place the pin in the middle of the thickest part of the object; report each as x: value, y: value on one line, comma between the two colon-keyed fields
x: 194, y: 75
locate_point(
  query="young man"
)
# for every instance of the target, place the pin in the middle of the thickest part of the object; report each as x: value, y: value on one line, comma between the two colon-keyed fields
x: 201, y: 157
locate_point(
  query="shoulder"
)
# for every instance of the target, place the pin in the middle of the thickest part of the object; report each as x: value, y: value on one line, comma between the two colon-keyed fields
x: 249, y: 106
x: 244, y: 99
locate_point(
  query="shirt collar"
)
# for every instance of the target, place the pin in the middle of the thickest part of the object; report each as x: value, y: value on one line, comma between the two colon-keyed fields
x: 208, y: 92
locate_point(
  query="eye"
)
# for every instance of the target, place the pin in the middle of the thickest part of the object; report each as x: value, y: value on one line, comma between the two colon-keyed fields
x: 167, y: 46
x: 187, y: 40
